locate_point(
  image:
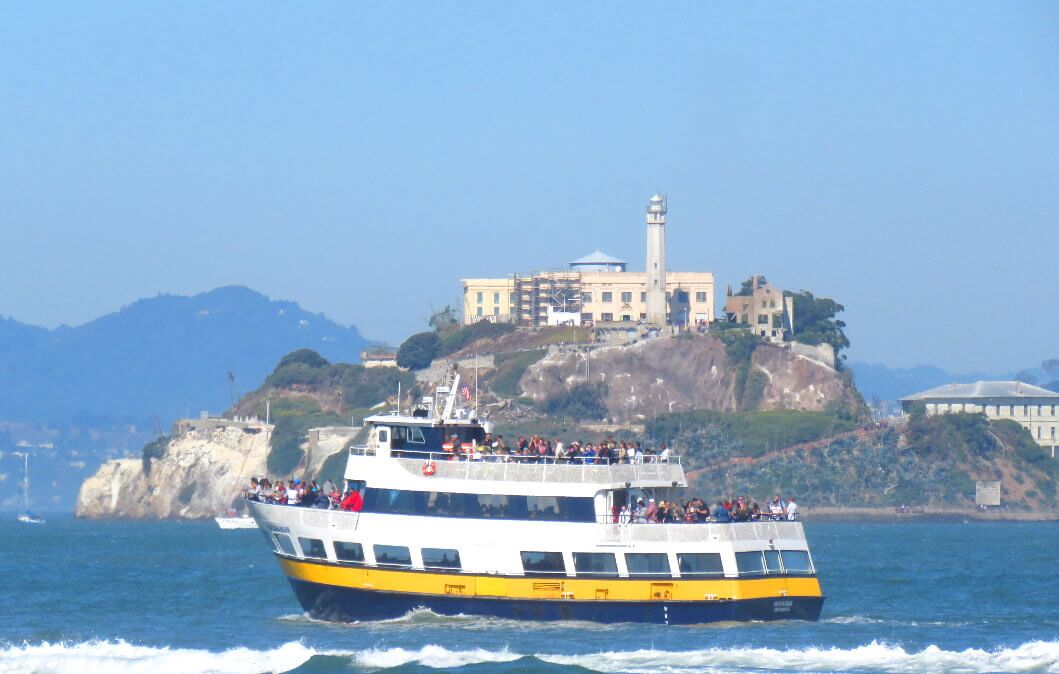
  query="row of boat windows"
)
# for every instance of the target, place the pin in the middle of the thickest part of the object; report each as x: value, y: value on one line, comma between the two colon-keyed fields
x: 479, y: 506
x: 586, y: 564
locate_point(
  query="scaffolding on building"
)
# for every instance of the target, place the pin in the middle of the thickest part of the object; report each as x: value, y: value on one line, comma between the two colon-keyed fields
x: 559, y: 290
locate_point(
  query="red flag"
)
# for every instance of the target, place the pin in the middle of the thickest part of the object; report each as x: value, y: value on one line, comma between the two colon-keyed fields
x: 466, y: 393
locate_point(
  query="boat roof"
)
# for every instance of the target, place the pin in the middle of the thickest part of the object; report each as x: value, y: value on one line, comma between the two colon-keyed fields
x: 393, y: 418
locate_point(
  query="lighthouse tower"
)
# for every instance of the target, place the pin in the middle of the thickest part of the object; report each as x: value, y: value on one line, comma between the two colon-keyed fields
x: 656, y: 260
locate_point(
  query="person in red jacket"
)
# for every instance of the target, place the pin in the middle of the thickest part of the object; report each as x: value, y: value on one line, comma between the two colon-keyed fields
x: 353, y: 502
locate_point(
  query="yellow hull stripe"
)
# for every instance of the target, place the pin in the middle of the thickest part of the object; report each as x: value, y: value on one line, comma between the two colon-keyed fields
x: 609, y: 589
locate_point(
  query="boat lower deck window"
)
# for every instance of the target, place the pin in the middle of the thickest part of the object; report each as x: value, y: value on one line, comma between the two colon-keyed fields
x: 750, y: 563
x: 543, y: 564
x: 441, y: 558
x: 479, y: 506
x: 312, y: 547
x: 796, y: 562
x: 647, y: 563
x: 285, y: 544
x: 700, y: 564
x: 392, y: 555
x: 598, y: 564
x: 349, y: 552
x: 772, y: 562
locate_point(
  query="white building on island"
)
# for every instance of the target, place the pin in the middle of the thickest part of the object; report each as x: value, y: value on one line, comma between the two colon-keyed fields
x: 1033, y: 407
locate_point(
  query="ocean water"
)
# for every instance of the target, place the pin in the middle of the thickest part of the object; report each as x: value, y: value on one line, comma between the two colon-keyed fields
x: 187, y: 597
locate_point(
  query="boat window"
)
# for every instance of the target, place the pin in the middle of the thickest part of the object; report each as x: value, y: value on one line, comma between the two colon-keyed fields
x: 271, y: 541
x: 285, y: 544
x: 543, y: 563
x: 415, y: 435
x: 384, y: 436
x: 349, y: 552
x: 750, y: 563
x: 699, y: 564
x: 600, y: 564
x: 480, y: 506
x: 647, y: 563
x: 392, y: 555
x: 796, y: 562
x: 312, y: 547
x: 441, y: 558
x: 772, y: 562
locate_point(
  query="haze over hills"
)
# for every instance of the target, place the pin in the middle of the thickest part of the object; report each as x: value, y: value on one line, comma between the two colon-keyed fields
x: 158, y: 358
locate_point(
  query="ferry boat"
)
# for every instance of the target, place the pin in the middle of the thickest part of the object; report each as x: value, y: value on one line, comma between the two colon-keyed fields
x: 537, y: 541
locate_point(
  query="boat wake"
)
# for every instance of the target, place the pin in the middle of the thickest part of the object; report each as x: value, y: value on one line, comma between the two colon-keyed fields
x: 119, y: 656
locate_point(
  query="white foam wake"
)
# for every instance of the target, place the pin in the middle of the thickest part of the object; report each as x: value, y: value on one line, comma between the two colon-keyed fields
x: 1036, y: 656
x: 121, y: 657
x: 106, y: 657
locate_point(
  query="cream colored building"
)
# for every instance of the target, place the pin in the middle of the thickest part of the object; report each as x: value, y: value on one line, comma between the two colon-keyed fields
x: 1035, y: 408
x: 763, y: 309
x: 597, y: 296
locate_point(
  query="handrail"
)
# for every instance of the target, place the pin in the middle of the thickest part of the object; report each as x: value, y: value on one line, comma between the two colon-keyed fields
x: 363, y: 450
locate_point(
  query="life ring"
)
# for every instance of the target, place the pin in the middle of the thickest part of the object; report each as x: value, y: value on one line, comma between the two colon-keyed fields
x: 430, y: 468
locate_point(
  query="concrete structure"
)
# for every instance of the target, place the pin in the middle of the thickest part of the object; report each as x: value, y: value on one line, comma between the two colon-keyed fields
x: 598, y: 289
x: 763, y: 309
x: 182, y: 427
x: 1035, y: 408
x: 378, y: 358
x: 657, y: 309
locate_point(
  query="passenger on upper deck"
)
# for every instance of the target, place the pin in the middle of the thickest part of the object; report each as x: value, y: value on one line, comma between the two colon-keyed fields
x: 353, y: 501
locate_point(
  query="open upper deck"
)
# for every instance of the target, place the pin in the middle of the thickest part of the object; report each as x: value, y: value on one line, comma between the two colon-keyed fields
x: 514, y: 470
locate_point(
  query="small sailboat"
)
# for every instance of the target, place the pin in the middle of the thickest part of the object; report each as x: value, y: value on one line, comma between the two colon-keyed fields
x: 25, y: 516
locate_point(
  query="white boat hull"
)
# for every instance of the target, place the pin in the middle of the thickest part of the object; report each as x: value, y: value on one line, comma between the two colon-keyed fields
x: 235, y: 522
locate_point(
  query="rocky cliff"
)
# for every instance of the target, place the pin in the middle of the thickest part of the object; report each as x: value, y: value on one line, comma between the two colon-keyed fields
x: 201, y: 475
x: 659, y: 376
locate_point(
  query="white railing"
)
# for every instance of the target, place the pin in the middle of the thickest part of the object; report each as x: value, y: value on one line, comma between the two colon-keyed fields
x: 625, y: 534
x: 442, y: 466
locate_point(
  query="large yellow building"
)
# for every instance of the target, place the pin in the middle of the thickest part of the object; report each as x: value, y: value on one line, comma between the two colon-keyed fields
x: 555, y: 297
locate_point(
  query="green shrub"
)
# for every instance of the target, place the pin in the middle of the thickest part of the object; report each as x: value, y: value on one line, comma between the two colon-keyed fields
x: 155, y: 449
x: 303, y: 366
x: 509, y: 370
x: 583, y: 401
x: 419, y: 350
x: 454, y: 340
x: 293, y: 417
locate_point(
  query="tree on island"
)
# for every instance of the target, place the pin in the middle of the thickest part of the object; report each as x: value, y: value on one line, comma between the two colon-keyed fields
x: 419, y: 350
x: 815, y: 322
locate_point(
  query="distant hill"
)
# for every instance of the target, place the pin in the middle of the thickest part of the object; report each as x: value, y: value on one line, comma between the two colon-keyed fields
x: 890, y: 383
x: 157, y: 358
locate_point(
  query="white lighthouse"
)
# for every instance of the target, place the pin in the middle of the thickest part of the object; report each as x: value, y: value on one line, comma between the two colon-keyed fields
x: 656, y: 260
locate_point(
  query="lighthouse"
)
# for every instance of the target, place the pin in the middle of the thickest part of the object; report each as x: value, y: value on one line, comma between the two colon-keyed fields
x: 656, y: 260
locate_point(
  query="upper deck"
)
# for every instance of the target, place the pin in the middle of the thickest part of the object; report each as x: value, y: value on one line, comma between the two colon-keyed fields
x: 512, y: 476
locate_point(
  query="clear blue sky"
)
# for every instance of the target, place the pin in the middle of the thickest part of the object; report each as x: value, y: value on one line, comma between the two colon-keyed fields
x: 902, y: 158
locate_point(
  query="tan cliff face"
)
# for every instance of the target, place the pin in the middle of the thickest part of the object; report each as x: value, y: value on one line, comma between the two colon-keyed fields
x: 659, y: 376
x: 200, y: 476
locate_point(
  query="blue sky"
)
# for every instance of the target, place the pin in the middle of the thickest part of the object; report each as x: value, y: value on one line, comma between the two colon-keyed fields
x: 902, y: 158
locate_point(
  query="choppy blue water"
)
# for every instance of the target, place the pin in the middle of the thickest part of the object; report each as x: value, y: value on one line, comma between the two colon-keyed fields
x: 188, y: 597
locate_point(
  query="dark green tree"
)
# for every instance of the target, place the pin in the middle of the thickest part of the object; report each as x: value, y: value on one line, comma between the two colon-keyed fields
x: 815, y: 322
x: 419, y: 350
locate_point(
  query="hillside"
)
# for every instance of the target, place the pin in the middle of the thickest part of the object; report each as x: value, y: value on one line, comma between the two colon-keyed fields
x: 157, y: 359
x: 931, y: 461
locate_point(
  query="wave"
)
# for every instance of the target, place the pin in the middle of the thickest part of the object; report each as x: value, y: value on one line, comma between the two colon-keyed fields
x: 119, y: 656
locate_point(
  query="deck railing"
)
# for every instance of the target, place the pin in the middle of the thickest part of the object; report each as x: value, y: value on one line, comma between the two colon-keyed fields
x: 545, y: 469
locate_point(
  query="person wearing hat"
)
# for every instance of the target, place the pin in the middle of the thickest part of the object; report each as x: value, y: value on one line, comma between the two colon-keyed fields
x: 639, y: 513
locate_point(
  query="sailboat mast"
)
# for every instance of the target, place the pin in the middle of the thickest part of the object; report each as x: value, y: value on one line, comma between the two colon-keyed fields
x: 25, y: 481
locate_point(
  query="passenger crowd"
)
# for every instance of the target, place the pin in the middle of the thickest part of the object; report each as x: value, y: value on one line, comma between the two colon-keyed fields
x: 740, y: 509
x: 536, y: 449
x: 307, y: 494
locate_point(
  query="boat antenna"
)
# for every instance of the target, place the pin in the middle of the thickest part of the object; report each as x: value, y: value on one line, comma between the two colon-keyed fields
x: 476, y: 384
x: 398, y: 397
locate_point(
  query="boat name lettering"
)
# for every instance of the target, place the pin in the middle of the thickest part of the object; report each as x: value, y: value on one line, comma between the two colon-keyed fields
x: 782, y: 606
x: 278, y: 529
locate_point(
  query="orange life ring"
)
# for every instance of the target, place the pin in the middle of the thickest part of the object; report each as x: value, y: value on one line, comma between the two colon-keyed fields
x: 430, y: 468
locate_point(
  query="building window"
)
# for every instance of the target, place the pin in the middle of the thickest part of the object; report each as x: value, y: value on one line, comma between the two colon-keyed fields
x: 772, y: 304
x: 700, y: 297
x: 626, y: 318
x: 496, y: 298
x: 608, y: 297
x: 586, y: 298
x: 496, y: 311
x: 643, y: 317
x: 480, y: 298
x: 626, y: 297
x: 643, y: 297
x: 606, y: 317
x: 763, y: 304
x: 763, y: 319
x: 479, y: 311
x: 511, y: 298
